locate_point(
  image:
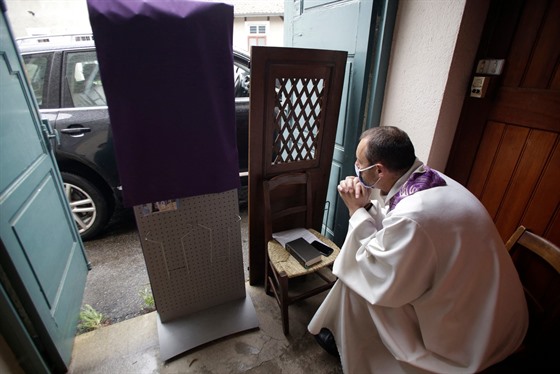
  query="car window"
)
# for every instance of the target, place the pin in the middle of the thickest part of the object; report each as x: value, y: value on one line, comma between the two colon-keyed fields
x: 241, y: 76
x: 36, y: 69
x: 83, y: 81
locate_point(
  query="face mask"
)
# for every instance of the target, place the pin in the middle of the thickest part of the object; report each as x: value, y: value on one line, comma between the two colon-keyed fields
x: 359, y: 175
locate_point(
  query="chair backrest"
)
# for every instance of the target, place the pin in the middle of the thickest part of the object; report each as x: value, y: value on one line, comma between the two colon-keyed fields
x: 287, y: 203
x: 538, y: 263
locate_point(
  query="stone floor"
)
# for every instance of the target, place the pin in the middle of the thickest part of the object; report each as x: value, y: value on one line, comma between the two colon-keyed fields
x: 132, y: 346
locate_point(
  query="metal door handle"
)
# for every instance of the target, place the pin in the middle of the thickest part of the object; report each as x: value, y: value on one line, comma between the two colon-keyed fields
x: 75, y: 130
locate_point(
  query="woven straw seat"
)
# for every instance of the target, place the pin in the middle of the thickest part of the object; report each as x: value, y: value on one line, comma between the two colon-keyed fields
x: 285, y: 263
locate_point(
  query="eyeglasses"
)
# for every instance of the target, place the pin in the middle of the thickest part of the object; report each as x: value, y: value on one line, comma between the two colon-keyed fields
x: 359, y: 174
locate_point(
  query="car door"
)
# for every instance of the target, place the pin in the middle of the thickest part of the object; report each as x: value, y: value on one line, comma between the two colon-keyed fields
x: 68, y: 88
x: 83, y: 117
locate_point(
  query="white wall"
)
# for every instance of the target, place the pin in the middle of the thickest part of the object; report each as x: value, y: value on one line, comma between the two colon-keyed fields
x: 433, y: 51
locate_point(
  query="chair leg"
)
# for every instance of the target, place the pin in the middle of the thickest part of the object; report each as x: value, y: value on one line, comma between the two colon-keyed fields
x: 267, y: 272
x: 284, y: 303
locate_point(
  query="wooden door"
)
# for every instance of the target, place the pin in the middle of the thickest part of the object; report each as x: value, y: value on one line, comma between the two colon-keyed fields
x: 43, y: 267
x: 507, y: 146
x: 295, y: 103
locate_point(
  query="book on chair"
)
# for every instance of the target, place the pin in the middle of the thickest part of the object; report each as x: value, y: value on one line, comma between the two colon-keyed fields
x: 305, y: 253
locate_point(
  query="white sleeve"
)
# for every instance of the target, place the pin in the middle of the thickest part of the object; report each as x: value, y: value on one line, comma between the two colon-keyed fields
x: 390, y: 264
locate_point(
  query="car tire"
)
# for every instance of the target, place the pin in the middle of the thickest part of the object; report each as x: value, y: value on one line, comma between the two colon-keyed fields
x: 89, y: 207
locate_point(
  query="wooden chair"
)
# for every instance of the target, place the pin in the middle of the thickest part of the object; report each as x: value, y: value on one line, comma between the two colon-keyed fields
x: 287, y: 204
x: 538, y: 263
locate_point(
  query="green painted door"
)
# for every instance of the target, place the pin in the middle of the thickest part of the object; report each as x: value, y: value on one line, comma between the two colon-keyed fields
x: 363, y: 28
x: 43, y: 266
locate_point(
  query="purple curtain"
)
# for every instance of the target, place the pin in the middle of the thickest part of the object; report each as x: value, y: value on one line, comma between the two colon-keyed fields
x: 167, y: 71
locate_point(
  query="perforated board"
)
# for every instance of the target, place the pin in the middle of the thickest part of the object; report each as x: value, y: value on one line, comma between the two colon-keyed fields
x: 193, y: 253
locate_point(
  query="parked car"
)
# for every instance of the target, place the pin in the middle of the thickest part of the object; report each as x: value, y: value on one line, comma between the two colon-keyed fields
x: 64, y: 75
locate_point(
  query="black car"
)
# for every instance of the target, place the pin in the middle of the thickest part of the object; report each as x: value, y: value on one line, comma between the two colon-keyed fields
x: 64, y: 75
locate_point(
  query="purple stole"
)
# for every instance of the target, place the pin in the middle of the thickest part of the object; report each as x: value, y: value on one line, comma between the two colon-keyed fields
x: 420, y: 180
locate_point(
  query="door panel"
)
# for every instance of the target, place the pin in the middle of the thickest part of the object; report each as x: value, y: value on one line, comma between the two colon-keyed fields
x: 485, y: 157
x: 313, y: 28
x: 541, y: 207
x: 497, y: 182
x: 42, y: 254
x: 522, y: 48
x: 364, y: 29
x: 545, y: 52
x: 506, y: 146
x: 537, y: 107
x: 45, y: 266
x: 537, y: 149
x: 16, y: 135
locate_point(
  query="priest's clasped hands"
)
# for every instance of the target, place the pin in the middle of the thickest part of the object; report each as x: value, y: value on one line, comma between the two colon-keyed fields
x: 353, y: 193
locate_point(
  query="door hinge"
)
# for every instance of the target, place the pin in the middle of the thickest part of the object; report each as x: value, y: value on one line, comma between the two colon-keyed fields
x: 49, y: 134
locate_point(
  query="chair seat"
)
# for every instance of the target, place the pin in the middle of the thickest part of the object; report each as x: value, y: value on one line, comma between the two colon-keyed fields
x: 286, y: 264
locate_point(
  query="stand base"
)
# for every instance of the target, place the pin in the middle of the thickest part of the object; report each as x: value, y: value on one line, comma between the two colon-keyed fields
x: 185, y: 333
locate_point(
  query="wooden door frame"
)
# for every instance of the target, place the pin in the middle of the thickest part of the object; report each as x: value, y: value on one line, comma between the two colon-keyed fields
x: 502, y: 15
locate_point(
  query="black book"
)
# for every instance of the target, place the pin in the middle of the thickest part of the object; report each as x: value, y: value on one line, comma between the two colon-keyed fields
x: 304, y: 252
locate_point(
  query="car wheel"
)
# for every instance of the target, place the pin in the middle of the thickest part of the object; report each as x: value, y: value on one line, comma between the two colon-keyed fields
x: 87, y: 203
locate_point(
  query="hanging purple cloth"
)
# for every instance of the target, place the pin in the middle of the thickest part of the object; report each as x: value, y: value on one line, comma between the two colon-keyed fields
x: 167, y: 71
